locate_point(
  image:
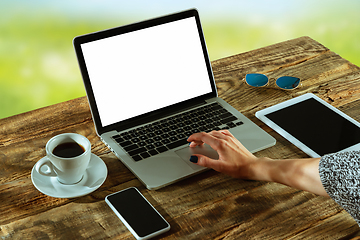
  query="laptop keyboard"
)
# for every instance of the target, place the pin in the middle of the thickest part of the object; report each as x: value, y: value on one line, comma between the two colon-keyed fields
x: 172, y: 132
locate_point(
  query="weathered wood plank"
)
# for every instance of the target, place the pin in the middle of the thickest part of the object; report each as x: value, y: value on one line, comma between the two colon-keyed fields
x: 206, y: 206
x: 325, y: 74
x: 271, y: 57
x: 56, y: 118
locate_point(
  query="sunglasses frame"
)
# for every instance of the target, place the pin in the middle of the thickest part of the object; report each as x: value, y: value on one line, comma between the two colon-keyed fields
x: 268, y: 81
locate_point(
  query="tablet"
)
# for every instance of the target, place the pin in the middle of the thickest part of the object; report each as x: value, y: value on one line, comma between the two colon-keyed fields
x: 313, y: 125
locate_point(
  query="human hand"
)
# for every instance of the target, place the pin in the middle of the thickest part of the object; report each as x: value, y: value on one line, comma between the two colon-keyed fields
x: 234, y: 158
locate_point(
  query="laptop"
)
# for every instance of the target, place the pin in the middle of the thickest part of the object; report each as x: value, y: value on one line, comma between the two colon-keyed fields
x: 150, y: 86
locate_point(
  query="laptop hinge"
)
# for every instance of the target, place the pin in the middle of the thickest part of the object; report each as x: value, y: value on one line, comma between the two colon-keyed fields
x: 150, y: 117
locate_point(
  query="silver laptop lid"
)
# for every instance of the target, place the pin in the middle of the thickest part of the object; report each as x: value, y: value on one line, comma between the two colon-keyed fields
x: 137, y: 73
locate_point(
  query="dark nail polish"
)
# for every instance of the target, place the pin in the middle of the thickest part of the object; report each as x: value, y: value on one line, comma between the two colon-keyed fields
x: 194, y: 159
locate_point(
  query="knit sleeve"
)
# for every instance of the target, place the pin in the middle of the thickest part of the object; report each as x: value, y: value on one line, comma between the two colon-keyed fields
x: 340, y: 176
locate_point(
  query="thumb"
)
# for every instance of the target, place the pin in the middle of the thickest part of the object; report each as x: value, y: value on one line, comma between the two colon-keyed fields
x: 204, y: 161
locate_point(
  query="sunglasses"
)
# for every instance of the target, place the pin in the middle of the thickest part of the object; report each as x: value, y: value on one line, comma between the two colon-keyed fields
x: 261, y: 80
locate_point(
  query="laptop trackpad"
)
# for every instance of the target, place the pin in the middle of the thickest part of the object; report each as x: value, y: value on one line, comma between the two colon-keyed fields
x: 186, y: 152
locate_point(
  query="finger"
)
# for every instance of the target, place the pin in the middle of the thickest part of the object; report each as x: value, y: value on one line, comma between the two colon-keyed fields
x: 196, y: 143
x: 226, y: 136
x: 201, y: 137
x: 204, y: 161
x: 226, y: 132
x: 219, y: 134
x: 222, y: 134
x: 197, y: 137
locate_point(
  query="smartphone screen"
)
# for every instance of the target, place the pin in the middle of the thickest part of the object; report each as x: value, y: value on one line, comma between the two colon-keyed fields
x: 137, y: 214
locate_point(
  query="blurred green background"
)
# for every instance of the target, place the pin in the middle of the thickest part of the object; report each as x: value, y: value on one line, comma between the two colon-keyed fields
x: 38, y: 66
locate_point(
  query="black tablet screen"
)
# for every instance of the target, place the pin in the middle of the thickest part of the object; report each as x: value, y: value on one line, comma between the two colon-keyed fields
x: 317, y: 126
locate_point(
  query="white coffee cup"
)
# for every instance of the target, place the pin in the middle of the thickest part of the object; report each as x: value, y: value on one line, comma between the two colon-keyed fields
x: 68, y: 170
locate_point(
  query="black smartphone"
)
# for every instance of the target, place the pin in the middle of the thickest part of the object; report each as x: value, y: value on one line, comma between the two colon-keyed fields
x: 137, y: 214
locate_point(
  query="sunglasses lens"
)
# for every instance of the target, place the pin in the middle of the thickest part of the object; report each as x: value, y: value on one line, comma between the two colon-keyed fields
x: 288, y: 82
x: 256, y: 79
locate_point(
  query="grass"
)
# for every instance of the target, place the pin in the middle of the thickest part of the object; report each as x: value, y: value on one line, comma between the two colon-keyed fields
x: 39, y: 67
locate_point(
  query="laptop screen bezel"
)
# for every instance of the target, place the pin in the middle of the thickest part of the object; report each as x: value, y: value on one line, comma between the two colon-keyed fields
x: 154, y: 115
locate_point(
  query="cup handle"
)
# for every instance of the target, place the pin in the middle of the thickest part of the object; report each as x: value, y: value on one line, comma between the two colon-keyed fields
x: 42, y: 162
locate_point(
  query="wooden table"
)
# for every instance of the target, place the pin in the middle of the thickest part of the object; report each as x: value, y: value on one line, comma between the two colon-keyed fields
x: 207, y: 206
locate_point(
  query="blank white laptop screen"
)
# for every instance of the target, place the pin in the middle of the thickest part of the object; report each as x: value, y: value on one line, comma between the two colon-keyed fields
x: 142, y: 71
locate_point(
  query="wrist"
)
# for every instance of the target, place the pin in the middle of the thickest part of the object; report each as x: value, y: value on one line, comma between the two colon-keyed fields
x: 298, y: 173
x: 261, y: 169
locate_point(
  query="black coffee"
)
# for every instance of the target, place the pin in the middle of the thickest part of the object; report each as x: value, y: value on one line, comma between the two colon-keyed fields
x: 68, y: 150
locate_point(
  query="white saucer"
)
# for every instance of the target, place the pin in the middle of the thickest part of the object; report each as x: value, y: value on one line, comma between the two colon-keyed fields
x: 94, y: 177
